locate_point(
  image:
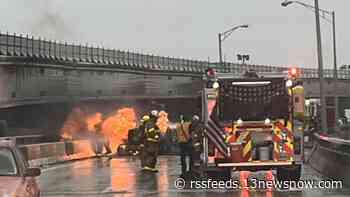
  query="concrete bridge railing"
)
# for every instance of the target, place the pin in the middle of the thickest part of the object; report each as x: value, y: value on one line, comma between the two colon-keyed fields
x: 24, y: 46
x: 331, y: 157
x: 54, y: 152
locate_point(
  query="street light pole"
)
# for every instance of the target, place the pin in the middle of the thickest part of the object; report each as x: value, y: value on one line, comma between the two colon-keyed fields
x: 224, y: 35
x: 335, y: 72
x: 320, y: 69
x: 320, y: 60
x: 220, y: 49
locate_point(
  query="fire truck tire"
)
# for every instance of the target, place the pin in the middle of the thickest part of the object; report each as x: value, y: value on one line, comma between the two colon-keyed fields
x: 289, y: 173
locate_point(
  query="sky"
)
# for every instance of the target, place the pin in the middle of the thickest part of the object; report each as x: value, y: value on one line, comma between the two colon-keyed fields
x: 187, y: 28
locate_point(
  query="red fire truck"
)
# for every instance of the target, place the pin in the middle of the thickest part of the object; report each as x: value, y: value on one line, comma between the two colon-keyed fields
x: 250, y: 123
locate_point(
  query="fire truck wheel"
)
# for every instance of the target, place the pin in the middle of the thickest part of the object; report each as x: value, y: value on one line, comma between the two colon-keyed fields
x: 289, y: 173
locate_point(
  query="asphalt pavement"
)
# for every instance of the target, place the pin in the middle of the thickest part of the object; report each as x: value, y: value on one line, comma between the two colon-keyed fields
x: 123, y: 177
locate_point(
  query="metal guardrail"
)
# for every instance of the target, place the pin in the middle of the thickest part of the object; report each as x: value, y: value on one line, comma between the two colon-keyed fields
x: 333, y: 139
x: 331, y: 156
x: 25, y: 46
x: 337, y: 145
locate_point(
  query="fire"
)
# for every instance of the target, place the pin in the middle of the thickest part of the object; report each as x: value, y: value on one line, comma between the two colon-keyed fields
x: 67, y: 136
x: 74, y: 124
x: 82, y: 149
x: 93, y: 120
x: 115, y: 127
x: 163, y: 121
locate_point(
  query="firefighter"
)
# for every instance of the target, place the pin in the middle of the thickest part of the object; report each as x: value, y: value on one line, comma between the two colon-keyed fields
x: 151, y: 149
x: 142, y: 136
x: 196, y: 133
x: 183, y: 138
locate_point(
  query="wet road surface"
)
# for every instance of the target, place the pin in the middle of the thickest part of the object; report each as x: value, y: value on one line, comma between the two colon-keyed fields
x: 122, y: 177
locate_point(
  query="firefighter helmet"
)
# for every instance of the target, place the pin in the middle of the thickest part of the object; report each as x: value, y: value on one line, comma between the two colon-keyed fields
x: 145, y: 118
x: 154, y: 113
x: 195, y: 118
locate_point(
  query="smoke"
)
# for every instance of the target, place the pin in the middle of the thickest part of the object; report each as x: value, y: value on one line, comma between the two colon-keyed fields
x: 44, y: 18
x: 53, y: 25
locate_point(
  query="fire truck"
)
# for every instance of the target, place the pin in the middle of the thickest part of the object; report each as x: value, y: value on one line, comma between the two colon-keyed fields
x: 252, y: 122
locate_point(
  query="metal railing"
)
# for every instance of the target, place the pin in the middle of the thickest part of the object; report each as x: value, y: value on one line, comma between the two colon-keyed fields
x: 25, y: 46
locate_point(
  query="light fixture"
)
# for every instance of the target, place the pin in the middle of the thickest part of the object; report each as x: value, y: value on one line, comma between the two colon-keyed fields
x: 286, y: 3
x: 239, y: 121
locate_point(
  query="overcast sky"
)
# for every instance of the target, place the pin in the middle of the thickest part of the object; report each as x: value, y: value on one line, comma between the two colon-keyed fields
x: 186, y: 28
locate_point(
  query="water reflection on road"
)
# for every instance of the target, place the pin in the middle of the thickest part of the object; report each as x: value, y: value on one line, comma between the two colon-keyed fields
x: 122, y: 177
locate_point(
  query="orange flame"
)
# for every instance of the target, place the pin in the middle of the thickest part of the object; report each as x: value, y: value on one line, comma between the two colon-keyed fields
x: 93, y: 120
x: 82, y: 149
x: 116, y: 126
x: 74, y: 124
x: 163, y: 121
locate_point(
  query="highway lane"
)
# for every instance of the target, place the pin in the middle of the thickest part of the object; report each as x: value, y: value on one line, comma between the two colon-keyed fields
x: 122, y: 177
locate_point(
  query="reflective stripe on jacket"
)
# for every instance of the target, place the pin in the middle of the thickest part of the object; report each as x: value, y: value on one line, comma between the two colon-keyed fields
x: 183, y: 132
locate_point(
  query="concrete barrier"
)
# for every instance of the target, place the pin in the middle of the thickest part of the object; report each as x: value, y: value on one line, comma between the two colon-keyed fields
x: 331, y: 157
x: 50, y: 153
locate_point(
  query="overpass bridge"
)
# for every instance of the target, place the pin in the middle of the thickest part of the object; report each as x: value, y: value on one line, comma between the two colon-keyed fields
x: 38, y: 71
x: 39, y: 77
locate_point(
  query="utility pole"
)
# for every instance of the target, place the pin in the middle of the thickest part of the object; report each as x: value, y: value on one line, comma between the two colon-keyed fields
x: 220, y: 49
x: 320, y: 70
x: 335, y: 74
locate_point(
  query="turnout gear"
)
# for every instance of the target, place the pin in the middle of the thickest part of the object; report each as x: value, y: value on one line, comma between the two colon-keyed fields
x: 142, y: 133
x: 151, y: 145
x: 196, y: 132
